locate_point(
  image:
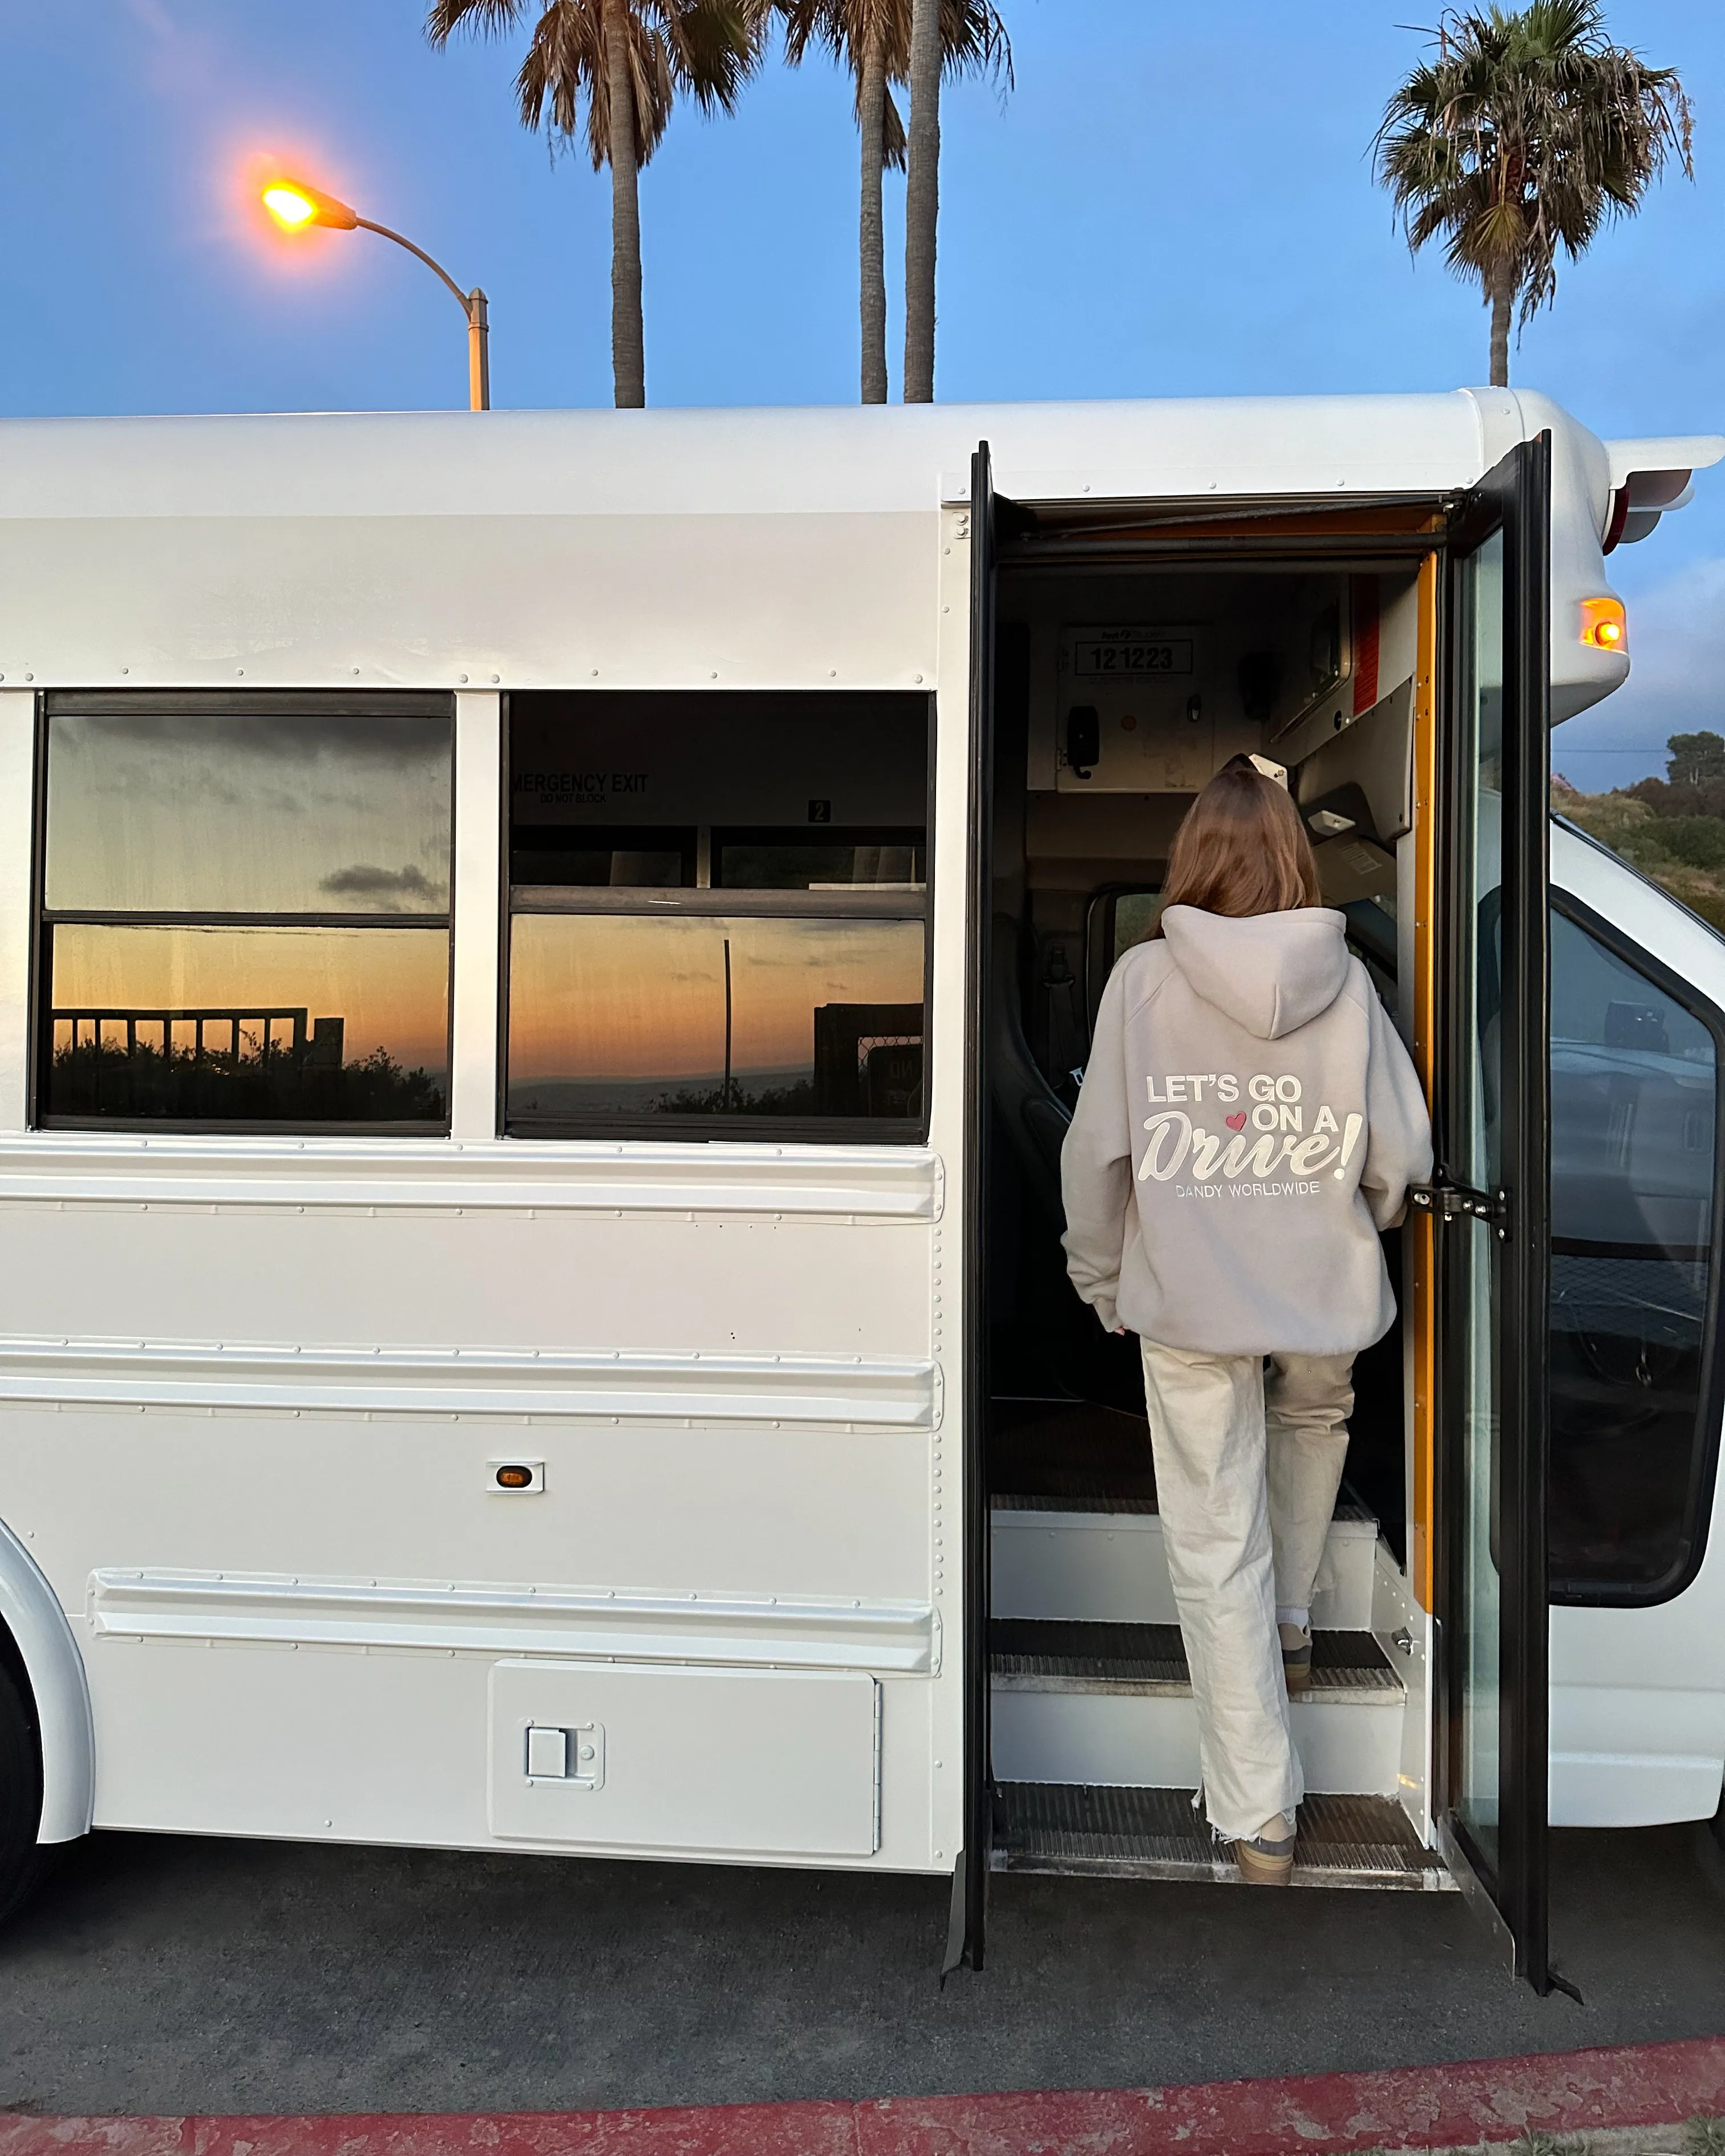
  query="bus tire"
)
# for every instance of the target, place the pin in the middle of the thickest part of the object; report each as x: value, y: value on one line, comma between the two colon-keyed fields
x: 23, y: 1859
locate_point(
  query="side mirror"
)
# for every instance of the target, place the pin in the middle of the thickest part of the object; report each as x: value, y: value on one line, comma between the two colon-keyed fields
x: 1084, y: 739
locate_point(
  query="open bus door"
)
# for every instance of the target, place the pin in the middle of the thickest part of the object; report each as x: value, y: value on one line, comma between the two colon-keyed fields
x: 1491, y: 1199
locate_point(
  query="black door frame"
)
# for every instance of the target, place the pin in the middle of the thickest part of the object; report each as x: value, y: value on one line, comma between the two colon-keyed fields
x: 1512, y: 1897
x: 966, y: 1937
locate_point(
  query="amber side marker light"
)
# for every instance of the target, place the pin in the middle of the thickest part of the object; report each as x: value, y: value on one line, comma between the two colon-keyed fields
x: 1605, y: 624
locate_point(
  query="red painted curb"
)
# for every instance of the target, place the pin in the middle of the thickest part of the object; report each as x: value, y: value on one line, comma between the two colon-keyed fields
x: 1307, y: 2115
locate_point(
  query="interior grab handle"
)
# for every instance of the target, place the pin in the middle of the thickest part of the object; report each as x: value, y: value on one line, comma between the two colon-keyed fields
x: 1084, y: 739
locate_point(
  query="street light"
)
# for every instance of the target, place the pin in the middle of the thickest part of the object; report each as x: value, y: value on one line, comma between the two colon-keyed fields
x: 294, y: 206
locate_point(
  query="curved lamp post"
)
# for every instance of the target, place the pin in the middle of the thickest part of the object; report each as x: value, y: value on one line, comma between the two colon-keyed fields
x: 294, y: 206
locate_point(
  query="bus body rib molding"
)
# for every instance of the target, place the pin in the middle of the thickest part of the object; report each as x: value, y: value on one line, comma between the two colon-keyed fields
x: 229, y: 1173
x: 31, y: 1612
x: 445, y: 1617
x: 850, y: 1394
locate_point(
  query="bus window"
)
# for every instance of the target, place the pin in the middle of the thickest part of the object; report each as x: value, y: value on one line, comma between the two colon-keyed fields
x: 245, y: 912
x: 718, y: 914
x: 1635, y: 1070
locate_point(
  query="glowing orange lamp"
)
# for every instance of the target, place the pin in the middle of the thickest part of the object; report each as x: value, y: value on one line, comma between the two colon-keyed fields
x: 296, y: 208
x: 1605, y: 624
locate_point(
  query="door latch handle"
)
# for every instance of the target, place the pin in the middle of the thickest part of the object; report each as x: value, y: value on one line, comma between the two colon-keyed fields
x: 1454, y: 1201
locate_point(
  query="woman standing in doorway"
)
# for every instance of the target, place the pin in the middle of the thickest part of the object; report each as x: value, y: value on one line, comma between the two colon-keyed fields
x: 1248, y: 1122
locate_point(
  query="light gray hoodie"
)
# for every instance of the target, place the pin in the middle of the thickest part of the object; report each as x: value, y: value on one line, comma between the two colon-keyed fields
x: 1249, y: 1121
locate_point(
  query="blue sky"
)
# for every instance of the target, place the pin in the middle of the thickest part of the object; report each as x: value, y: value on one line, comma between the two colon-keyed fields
x: 1173, y: 202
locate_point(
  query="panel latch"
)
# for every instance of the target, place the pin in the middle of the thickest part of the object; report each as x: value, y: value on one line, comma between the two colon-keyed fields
x: 1454, y: 1201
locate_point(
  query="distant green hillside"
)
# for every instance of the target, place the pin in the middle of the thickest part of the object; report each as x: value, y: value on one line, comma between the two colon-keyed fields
x: 1671, y: 828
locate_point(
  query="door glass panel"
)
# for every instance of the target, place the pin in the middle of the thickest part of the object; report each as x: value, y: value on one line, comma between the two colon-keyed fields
x: 1476, y: 1139
x: 1634, y: 1084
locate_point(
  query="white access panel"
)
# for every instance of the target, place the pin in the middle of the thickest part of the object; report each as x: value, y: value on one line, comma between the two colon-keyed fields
x: 772, y: 1763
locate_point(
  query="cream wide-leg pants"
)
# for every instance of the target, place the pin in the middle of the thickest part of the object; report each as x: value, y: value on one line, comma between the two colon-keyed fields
x: 1248, y: 1463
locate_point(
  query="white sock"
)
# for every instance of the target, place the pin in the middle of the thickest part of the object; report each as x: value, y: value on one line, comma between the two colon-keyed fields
x: 1300, y: 1618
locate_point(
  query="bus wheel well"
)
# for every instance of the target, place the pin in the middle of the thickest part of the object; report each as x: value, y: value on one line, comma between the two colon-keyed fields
x: 23, y: 1859
x: 12, y: 1662
x: 12, y: 1665
x: 41, y: 1662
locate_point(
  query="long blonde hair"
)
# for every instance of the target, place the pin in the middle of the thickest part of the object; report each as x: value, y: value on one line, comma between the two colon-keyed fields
x: 1242, y: 849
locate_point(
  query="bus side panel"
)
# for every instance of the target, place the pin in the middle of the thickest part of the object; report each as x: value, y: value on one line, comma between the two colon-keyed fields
x: 520, y: 601
x: 738, y: 1473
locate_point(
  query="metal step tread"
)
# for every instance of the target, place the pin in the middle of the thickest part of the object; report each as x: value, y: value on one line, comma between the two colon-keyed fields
x: 1094, y: 1500
x: 1068, y: 1828
x: 1035, y: 1654
x: 1010, y: 1501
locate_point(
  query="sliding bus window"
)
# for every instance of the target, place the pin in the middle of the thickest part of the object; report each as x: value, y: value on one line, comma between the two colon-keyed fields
x: 245, y: 912
x: 718, y: 914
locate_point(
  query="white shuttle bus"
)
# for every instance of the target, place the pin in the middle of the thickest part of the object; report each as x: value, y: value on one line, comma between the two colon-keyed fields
x: 545, y: 960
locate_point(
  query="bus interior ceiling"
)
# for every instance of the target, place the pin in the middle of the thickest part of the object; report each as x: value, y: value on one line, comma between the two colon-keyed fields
x: 1120, y: 688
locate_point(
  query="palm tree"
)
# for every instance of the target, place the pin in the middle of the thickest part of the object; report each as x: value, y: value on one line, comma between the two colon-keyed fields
x: 1527, y: 132
x: 629, y: 58
x: 872, y: 40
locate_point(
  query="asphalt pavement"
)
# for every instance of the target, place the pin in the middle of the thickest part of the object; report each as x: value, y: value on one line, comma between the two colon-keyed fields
x: 168, y: 1975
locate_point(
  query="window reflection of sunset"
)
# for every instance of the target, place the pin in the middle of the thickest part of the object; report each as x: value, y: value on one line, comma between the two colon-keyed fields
x: 389, y: 987
x: 594, y: 997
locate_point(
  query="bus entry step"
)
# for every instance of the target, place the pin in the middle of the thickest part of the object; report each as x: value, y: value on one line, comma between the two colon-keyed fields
x: 1067, y: 1828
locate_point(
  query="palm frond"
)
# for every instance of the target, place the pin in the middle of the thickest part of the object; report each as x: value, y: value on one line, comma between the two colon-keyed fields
x: 713, y: 47
x: 485, y: 17
x: 565, y: 59
x: 974, y: 39
x: 895, y: 142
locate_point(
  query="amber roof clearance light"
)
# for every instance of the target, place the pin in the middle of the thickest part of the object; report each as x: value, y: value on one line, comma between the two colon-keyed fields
x: 1605, y: 624
x: 296, y: 208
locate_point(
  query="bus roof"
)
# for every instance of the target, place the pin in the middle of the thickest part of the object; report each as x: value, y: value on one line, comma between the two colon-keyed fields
x: 798, y: 460
x: 666, y: 548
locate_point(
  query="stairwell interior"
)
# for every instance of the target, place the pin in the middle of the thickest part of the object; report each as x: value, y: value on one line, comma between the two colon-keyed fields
x: 1124, y: 676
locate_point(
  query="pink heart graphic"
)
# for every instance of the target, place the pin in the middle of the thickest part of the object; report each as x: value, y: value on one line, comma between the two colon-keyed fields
x: 1236, y: 1122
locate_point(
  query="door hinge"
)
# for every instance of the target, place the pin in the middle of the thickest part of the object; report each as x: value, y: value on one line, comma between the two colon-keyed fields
x: 1454, y: 1201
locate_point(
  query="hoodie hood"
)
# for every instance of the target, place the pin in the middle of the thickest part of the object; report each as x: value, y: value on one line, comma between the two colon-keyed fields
x: 1270, y: 972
